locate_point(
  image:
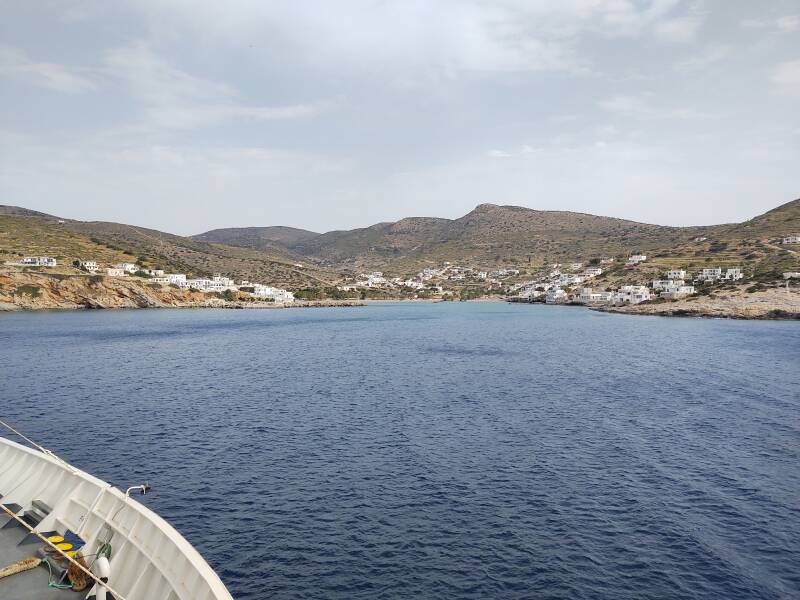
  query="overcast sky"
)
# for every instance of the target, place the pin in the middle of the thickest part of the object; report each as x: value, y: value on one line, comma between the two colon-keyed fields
x: 196, y: 114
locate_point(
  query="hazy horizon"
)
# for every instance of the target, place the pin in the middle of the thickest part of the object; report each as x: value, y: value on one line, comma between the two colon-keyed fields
x: 190, y: 116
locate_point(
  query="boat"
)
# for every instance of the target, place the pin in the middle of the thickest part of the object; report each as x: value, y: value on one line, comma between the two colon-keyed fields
x: 63, y: 530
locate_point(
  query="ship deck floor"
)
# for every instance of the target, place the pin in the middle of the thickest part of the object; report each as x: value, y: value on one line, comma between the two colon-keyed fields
x: 28, y: 585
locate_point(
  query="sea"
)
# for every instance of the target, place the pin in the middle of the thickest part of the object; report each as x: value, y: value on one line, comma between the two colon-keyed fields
x: 436, y: 450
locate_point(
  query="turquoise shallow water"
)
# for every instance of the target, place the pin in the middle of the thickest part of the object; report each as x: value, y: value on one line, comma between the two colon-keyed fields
x: 436, y: 450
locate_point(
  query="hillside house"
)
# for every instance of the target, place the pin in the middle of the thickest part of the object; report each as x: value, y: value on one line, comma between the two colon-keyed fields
x: 39, y: 261
x: 678, y: 289
x: 88, y: 265
x: 792, y: 275
x: 635, y: 259
x: 154, y: 272
x: 587, y: 296
x: 734, y: 274
x: 676, y: 274
x: 791, y: 239
x: 631, y: 294
x: 710, y: 274
x: 178, y: 279
x: 266, y: 292
x: 114, y: 272
x: 593, y: 272
x: 556, y: 295
x: 127, y: 267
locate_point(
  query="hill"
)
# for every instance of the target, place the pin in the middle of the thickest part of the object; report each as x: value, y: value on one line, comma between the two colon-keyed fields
x: 263, y: 238
x: 25, y: 232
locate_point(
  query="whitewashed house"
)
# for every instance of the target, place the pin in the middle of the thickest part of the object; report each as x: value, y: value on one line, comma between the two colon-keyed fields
x: 556, y: 295
x: 592, y: 272
x: 115, y: 272
x: 162, y: 280
x: 39, y: 261
x: 663, y: 284
x: 607, y: 260
x: 635, y: 259
x: 631, y: 294
x: 266, y: 292
x: 88, y: 265
x: 676, y: 291
x: 710, y: 274
x: 178, y: 279
x: 154, y: 272
x: 587, y: 296
x: 792, y: 275
x: 734, y: 274
x: 676, y: 274
x: 127, y: 267
x: 792, y: 239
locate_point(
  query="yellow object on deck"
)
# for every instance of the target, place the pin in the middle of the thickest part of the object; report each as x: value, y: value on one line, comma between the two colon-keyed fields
x: 56, y: 539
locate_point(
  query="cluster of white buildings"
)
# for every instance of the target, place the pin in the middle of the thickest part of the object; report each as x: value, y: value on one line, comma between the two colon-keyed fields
x: 38, y: 261
x: 672, y: 287
x: 218, y: 283
x: 424, y: 279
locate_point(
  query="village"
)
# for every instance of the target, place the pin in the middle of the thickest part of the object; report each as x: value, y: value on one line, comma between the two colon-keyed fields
x: 217, y: 284
x: 555, y: 283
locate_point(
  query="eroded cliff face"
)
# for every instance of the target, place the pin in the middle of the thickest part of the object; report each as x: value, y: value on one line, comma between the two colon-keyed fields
x: 40, y: 290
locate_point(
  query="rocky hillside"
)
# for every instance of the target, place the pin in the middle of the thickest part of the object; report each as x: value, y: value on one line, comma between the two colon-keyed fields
x: 496, y: 235
x: 25, y: 232
x: 262, y: 238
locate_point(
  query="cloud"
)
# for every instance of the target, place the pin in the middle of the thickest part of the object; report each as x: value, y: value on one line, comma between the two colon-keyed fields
x: 703, y: 60
x: 176, y: 99
x: 15, y: 64
x: 786, y: 77
x: 784, y: 24
x: 679, y: 30
x: 641, y: 106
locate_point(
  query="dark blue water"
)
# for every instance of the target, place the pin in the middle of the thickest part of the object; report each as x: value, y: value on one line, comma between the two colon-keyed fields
x: 436, y: 450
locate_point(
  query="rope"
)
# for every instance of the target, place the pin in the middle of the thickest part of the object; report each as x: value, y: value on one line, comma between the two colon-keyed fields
x: 86, y: 571
x: 41, y: 449
x: 54, y: 584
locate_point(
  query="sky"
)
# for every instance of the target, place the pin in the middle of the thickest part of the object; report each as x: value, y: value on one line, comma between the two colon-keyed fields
x: 189, y: 115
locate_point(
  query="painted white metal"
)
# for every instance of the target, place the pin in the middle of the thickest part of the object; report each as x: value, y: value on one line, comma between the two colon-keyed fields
x: 150, y: 561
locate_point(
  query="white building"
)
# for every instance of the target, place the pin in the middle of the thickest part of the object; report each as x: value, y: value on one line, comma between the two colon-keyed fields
x: 593, y: 272
x: 575, y: 266
x: 39, y: 261
x: 114, y: 272
x: 88, y: 265
x: 677, y: 291
x: 587, y: 296
x: 154, y: 272
x: 162, y: 280
x: 676, y: 274
x: 663, y: 284
x: 127, y: 267
x: 607, y: 260
x: 635, y: 259
x: 792, y: 239
x: 791, y: 275
x: 556, y: 295
x: 631, y: 294
x: 266, y: 292
x: 734, y: 274
x: 710, y: 274
x: 178, y: 279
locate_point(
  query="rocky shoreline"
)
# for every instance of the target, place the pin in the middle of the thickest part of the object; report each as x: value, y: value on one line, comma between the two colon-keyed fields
x: 28, y: 291
x: 771, y: 304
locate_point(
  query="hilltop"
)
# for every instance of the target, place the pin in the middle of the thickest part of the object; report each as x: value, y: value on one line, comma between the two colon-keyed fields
x: 493, y: 235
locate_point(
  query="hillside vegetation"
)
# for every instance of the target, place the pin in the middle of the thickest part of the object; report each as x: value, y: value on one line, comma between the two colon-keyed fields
x: 494, y: 235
